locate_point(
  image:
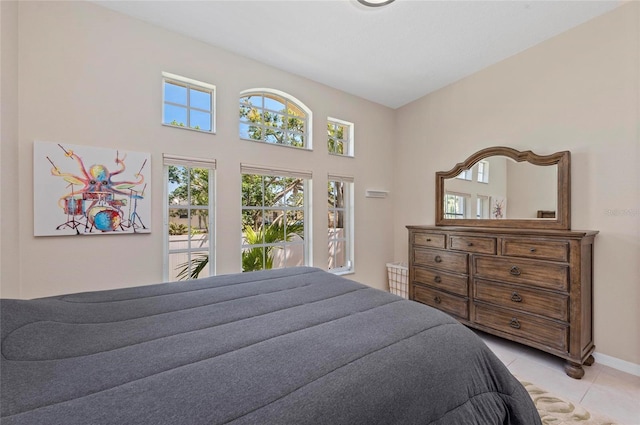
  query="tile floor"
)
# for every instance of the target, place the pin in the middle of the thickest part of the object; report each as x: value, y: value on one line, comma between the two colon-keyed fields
x: 603, y: 390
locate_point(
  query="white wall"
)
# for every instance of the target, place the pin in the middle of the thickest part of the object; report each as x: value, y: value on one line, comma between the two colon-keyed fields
x: 90, y: 76
x: 9, y: 213
x: 578, y: 92
x: 531, y: 188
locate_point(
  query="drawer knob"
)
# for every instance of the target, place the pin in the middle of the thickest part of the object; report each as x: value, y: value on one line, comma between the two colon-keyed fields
x: 532, y: 250
x: 514, y: 323
x: 437, y: 279
x: 515, y: 271
x: 470, y: 244
x: 438, y: 259
x: 428, y: 239
x: 437, y: 299
x: 516, y: 298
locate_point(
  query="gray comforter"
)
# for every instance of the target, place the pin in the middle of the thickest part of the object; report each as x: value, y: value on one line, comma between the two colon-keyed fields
x: 293, y: 346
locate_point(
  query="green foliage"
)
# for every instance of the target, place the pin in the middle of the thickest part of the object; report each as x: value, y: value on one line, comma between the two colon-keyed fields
x: 261, y: 258
x: 177, y: 229
x: 181, y: 124
x: 270, y: 191
x: 282, y: 127
x: 335, y: 133
x: 191, y: 269
x: 276, y: 225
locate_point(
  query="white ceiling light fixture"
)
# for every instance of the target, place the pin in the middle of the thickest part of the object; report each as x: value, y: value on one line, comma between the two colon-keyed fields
x: 375, y: 3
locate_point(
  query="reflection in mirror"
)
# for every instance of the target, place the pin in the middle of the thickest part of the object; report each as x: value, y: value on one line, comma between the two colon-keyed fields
x: 499, y: 187
x: 503, y: 187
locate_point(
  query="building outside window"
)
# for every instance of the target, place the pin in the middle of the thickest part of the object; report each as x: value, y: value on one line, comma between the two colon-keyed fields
x: 275, y: 218
x: 274, y: 117
x: 340, y: 224
x: 340, y: 137
x: 189, y: 218
x: 188, y: 103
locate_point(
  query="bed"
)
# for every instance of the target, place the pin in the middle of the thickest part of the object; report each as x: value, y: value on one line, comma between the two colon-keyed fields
x: 290, y: 346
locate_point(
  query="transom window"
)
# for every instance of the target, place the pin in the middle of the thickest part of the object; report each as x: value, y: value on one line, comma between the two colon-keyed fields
x: 340, y: 137
x: 483, y: 172
x: 274, y: 218
x: 274, y: 117
x: 340, y: 190
x: 188, y: 103
x: 189, y: 216
x: 465, y: 175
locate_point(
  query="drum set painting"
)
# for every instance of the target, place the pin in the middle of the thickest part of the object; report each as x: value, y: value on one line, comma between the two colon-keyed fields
x: 79, y: 192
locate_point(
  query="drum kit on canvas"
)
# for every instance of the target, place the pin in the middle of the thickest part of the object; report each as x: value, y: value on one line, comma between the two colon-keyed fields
x: 100, y: 211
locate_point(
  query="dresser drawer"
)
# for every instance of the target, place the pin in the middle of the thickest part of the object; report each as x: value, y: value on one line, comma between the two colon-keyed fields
x: 441, y: 260
x: 448, y: 303
x: 532, y: 248
x: 547, y: 304
x: 478, y: 244
x: 544, y: 275
x: 442, y: 280
x: 433, y: 240
x: 523, y: 325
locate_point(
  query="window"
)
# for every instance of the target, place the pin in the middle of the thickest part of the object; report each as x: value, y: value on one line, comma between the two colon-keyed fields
x: 274, y: 218
x: 340, y: 137
x: 483, y: 172
x: 189, y: 217
x: 465, y: 175
x: 274, y: 117
x: 340, y: 190
x: 188, y: 103
x: 482, y: 206
x: 455, y: 205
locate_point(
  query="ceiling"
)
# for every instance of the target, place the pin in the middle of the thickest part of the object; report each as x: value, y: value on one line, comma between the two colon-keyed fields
x: 391, y: 55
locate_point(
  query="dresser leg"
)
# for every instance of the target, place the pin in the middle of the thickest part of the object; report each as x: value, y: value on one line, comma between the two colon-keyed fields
x: 590, y: 360
x: 574, y: 370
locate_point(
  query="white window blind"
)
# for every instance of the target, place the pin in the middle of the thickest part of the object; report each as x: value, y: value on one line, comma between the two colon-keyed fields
x: 269, y: 171
x: 336, y: 177
x: 169, y: 159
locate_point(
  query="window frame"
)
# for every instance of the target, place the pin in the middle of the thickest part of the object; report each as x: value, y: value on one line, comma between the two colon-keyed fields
x: 189, y: 84
x: 287, y: 99
x: 307, y: 243
x: 350, y: 143
x: 349, y: 221
x: 483, y: 172
x: 466, y: 198
x: 483, y: 202
x: 466, y: 175
x: 182, y: 161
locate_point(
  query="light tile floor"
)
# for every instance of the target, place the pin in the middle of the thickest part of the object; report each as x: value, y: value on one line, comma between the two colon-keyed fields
x: 603, y: 390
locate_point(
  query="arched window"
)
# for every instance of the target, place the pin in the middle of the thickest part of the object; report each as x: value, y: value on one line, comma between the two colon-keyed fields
x: 272, y: 116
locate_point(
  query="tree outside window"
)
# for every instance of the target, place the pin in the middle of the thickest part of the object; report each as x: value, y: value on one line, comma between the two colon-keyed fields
x: 273, y: 222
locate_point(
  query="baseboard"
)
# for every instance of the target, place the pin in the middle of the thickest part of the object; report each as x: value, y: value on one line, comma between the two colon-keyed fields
x: 623, y: 365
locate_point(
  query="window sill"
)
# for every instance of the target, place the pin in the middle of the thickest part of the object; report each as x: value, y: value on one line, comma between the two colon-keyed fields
x: 342, y: 272
x: 341, y: 155
x: 188, y: 128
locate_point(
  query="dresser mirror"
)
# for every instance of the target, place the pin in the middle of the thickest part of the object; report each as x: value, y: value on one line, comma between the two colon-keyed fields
x: 503, y: 187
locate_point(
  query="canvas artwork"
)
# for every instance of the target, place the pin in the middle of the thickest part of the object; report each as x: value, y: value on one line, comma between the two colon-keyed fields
x: 83, y: 190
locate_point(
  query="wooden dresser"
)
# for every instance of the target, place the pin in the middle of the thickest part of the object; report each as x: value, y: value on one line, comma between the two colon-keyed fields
x: 532, y: 286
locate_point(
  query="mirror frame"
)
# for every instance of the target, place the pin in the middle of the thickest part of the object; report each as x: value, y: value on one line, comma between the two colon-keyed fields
x: 563, y: 209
